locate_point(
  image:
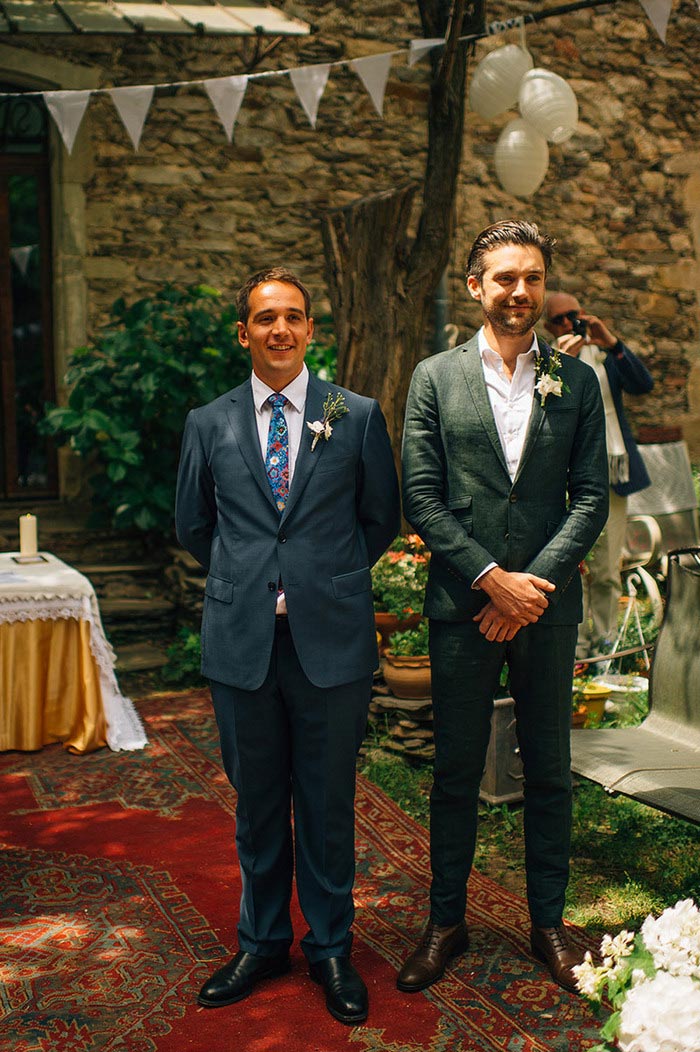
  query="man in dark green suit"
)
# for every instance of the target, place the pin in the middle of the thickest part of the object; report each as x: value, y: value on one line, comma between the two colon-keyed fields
x: 505, y: 479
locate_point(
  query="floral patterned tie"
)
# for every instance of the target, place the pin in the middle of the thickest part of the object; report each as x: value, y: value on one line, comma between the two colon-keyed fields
x: 277, y: 455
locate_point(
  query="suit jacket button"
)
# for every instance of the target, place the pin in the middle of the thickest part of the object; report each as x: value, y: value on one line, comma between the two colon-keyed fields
x: 282, y: 538
x: 513, y: 497
x: 272, y: 585
x: 506, y: 536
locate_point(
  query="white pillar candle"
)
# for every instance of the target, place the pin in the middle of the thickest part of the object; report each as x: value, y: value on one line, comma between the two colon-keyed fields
x: 27, y: 535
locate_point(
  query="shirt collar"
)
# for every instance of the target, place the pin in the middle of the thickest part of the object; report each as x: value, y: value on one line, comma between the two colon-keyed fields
x: 486, y: 351
x: 294, y: 392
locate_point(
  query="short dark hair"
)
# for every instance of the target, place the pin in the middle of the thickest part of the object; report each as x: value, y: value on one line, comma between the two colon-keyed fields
x: 507, y: 232
x: 260, y: 278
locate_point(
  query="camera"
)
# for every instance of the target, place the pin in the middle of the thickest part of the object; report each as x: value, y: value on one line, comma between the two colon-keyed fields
x: 579, y: 327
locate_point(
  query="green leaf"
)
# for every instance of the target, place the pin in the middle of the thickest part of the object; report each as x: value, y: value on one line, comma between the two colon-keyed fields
x: 116, y: 471
x: 609, y: 1030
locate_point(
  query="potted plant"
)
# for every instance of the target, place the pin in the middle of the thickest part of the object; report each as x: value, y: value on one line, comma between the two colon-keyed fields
x: 588, y: 703
x: 407, y: 663
x: 399, y: 578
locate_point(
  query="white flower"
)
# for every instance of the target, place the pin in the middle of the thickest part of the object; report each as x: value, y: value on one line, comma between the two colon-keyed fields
x: 661, y: 1015
x: 547, y: 385
x: 613, y: 948
x: 333, y: 409
x: 588, y: 977
x: 673, y: 939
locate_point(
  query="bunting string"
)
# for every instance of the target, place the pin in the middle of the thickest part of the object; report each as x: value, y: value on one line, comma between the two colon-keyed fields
x: 67, y: 108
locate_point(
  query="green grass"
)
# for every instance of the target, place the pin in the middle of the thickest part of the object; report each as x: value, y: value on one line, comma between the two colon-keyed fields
x: 628, y: 860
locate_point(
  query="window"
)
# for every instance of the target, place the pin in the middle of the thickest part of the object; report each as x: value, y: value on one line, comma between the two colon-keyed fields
x: 27, y: 461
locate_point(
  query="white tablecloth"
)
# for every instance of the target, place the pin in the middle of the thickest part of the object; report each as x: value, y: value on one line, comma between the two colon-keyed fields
x: 50, y: 590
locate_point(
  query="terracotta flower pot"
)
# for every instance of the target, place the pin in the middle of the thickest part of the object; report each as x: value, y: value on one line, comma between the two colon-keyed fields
x: 407, y: 677
x: 388, y: 623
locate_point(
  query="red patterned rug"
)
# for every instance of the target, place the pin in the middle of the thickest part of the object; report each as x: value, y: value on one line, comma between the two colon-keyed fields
x: 119, y: 891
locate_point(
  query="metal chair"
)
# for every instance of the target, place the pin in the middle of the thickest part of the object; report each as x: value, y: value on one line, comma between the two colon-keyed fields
x: 659, y: 761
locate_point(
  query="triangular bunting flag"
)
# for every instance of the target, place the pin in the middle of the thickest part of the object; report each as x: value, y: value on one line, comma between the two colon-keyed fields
x: 20, y: 257
x: 310, y: 83
x: 67, y: 109
x: 373, y: 71
x: 659, y: 12
x: 226, y: 94
x: 132, y: 105
x: 418, y: 48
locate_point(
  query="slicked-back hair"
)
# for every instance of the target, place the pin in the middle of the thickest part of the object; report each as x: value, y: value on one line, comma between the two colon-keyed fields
x: 507, y: 232
x: 281, y: 274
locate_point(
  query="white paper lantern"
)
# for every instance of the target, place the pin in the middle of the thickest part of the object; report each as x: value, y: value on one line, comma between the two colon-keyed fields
x: 549, y: 104
x: 496, y: 80
x: 521, y: 158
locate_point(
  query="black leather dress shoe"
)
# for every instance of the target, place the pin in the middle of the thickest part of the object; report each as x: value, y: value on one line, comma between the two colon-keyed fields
x: 346, y: 994
x: 236, y: 979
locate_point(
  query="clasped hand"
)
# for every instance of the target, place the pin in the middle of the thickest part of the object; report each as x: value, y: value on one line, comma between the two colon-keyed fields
x: 515, y: 599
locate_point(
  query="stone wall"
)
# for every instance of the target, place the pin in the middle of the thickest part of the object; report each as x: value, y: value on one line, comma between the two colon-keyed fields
x: 622, y: 197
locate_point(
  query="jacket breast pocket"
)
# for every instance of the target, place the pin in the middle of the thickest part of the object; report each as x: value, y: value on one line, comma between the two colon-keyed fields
x: 461, y: 508
x: 559, y: 419
x: 337, y: 464
x: 217, y: 588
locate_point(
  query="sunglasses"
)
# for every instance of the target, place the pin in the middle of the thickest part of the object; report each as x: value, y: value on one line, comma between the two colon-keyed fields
x: 559, y: 319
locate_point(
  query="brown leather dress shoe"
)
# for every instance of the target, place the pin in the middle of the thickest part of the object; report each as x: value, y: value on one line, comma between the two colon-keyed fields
x: 430, y: 958
x: 552, y: 946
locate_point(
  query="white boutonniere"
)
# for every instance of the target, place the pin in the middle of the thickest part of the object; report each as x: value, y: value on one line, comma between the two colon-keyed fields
x: 548, y: 381
x: 333, y: 409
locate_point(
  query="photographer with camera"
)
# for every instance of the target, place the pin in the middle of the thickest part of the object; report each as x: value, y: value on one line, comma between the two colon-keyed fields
x: 586, y: 337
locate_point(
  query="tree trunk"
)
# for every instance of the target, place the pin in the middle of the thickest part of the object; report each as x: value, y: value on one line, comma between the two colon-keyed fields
x: 381, y: 285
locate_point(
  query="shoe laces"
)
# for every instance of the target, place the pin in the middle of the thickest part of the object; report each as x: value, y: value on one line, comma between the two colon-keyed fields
x: 433, y: 937
x: 558, y: 937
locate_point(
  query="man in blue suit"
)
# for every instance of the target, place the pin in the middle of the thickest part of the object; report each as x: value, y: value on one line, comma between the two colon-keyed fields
x: 588, y: 338
x: 287, y: 494
x: 505, y: 480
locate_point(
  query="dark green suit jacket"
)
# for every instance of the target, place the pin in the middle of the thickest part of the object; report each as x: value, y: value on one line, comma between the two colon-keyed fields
x: 458, y: 494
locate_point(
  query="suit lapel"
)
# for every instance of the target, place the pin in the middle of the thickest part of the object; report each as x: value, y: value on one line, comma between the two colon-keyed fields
x: 306, y: 461
x: 474, y: 375
x: 241, y: 416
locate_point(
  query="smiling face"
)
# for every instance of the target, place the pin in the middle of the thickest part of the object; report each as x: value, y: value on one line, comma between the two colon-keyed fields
x: 511, y: 290
x: 276, y: 333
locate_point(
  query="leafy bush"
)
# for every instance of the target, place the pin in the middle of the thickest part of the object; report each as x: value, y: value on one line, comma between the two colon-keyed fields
x: 131, y: 390
x: 184, y: 660
x: 399, y: 577
x: 411, y: 643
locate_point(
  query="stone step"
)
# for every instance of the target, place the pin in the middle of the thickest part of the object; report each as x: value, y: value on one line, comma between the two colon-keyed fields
x: 128, y: 619
x: 139, y: 657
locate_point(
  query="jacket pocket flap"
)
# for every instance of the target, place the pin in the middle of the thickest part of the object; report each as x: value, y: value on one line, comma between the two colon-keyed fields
x: 346, y: 584
x: 465, y: 501
x: 219, y: 589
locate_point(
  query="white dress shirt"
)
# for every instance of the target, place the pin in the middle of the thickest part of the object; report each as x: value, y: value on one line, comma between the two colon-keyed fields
x: 511, y: 403
x: 511, y: 399
x: 295, y: 393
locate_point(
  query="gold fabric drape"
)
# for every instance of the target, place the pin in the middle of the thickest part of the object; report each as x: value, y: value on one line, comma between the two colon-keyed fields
x: 49, y: 686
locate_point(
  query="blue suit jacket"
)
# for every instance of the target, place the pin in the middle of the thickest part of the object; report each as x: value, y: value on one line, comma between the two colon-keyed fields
x: 628, y: 374
x: 342, y: 512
